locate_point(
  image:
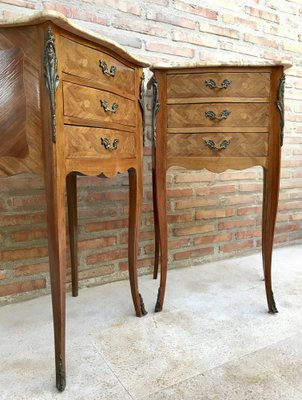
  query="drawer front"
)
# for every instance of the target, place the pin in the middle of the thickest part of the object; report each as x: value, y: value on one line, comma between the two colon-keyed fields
x: 222, y: 84
x: 83, y: 142
x: 85, y: 62
x: 97, y: 105
x: 217, y: 115
x: 217, y: 145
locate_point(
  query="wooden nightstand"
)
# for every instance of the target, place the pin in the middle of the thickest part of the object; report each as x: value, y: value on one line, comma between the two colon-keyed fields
x: 70, y: 104
x: 217, y: 118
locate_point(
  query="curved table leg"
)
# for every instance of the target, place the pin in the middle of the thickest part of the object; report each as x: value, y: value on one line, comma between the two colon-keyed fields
x: 71, y: 183
x: 270, y: 205
x: 161, y: 229
x: 135, y: 205
x: 156, y: 229
x: 55, y: 193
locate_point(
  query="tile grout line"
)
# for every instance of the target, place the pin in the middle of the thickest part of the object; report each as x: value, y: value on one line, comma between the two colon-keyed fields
x: 108, y: 365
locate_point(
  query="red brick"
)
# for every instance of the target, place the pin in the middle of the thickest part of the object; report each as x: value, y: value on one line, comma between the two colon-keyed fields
x: 2, y: 274
x: 94, y: 212
x: 287, y: 228
x: 21, y: 3
x: 29, y: 201
x: 217, y: 213
x: 261, y: 41
x: 99, y: 242
x: 192, y: 177
x: 146, y: 262
x: 22, y: 219
x: 171, y: 19
x: 95, y: 272
x: 255, y: 12
x: 251, y: 187
x: 20, y: 287
x: 120, y: 5
x: 238, y: 21
x: 220, y: 237
x: 236, y: 224
x: 31, y: 269
x: 216, y: 189
x: 142, y: 27
x: 248, y: 234
x: 106, y: 225
x: 280, y: 239
x: 174, y: 219
x: 193, y: 230
x: 20, y: 254
x: 179, y: 192
x: 107, y: 256
x: 107, y: 196
x: 34, y: 234
x: 168, y: 49
x: 240, y: 175
x: 179, y: 243
x: 236, y: 246
x: 194, y: 39
x: 189, y: 254
x: 200, y: 202
x: 220, y: 31
x: 195, y: 9
x: 241, y: 199
x: 249, y: 210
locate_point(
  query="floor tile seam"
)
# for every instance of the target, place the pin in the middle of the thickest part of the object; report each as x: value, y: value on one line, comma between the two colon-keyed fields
x: 280, y: 378
x: 112, y: 371
x: 169, y: 386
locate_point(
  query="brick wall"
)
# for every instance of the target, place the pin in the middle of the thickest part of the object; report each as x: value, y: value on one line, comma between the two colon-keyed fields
x: 210, y: 216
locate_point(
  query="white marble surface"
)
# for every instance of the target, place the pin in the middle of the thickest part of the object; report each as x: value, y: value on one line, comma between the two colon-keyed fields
x: 69, y: 25
x: 213, y: 341
x: 237, y: 62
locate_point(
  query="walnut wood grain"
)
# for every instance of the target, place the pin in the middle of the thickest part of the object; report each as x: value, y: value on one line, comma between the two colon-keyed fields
x: 241, y: 115
x: 13, y: 104
x: 32, y: 107
x: 252, y: 130
x: 84, y: 61
x: 240, y: 145
x: 20, y: 112
x: 250, y: 84
x: 85, y: 103
x: 82, y: 142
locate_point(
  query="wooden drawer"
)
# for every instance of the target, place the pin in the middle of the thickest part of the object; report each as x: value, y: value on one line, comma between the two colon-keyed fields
x: 199, y: 85
x: 236, y: 115
x: 89, y: 104
x: 83, y: 142
x: 235, y: 145
x: 83, y: 61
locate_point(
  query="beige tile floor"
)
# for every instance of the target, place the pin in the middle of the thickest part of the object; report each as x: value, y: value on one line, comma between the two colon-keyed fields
x: 213, y: 341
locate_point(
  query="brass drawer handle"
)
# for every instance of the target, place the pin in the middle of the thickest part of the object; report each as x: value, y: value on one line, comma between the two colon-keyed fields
x: 213, y: 116
x: 105, y: 106
x: 106, y: 143
x: 105, y: 69
x: 223, y: 145
x: 212, y: 84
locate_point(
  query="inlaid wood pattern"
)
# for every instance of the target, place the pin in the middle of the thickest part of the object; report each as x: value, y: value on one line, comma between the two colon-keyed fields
x: 245, y: 133
x: 85, y: 103
x: 241, y: 115
x: 84, y: 142
x: 84, y: 61
x: 240, y: 145
x: 254, y: 84
x: 20, y: 113
x: 12, y: 104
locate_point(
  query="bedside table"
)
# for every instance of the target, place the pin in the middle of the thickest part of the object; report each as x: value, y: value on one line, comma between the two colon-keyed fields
x: 217, y: 118
x: 70, y: 105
